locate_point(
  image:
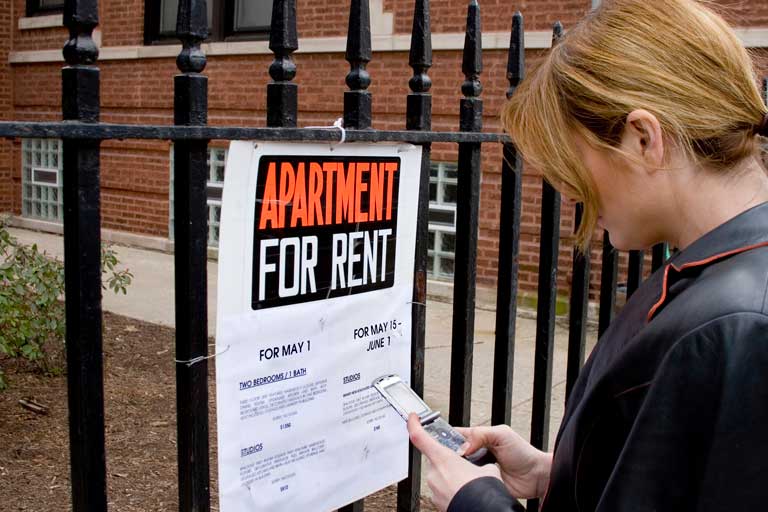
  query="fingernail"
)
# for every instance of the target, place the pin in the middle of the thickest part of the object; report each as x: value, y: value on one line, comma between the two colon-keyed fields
x: 463, y: 448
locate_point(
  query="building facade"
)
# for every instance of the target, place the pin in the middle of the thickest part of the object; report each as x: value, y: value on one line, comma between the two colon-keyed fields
x: 137, y: 62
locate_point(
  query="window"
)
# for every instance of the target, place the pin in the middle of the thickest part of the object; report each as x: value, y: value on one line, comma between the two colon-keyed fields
x: 217, y: 157
x: 227, y: 19
x: 41, y: 183
x: 442, y: 220
x: 39, y: 7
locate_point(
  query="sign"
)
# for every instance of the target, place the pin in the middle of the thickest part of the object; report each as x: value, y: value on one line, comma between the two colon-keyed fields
x: 316, y: 254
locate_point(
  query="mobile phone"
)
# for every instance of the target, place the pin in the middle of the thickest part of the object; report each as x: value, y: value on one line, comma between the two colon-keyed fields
x: 405, y: 401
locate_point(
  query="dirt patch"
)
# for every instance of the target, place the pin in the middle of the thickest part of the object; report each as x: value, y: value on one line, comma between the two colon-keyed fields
x: 139, y: 391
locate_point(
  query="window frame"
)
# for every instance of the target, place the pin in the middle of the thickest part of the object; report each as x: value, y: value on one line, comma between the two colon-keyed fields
x: 33, y: 8
x: 221, y: 25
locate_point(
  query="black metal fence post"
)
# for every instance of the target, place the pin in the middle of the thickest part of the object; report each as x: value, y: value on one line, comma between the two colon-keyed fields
x: 468, y: 192
x: 357, y: 101
x: 608, y: 277
x: 634, y: 272
x: 546, y: 309
x: 509, y: 246
x: 82, y: 260
x: 282, y: 94
x: 578, y: 310
x: 418, y: 118
x: 190, y: 257
x: 658, y: 255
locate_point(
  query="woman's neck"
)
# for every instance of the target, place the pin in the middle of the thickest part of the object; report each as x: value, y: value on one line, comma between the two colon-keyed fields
x: 703, y: 200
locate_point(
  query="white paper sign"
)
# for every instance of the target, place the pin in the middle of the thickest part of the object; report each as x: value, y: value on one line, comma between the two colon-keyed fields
x: 316, y: 253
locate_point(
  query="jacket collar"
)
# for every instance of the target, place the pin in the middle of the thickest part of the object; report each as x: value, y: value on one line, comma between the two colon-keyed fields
x: 746, y: 231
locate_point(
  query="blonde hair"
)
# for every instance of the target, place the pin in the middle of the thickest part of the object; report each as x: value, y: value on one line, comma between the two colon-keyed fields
x: 674, y: 58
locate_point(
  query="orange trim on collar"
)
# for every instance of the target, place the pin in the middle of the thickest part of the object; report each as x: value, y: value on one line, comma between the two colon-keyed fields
x: 690, y: 264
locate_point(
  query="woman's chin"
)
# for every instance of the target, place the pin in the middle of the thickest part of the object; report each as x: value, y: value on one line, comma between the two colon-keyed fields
x: 625, y: 244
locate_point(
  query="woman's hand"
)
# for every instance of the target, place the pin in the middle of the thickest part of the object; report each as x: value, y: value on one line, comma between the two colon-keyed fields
x: 524, y: 469
x: 449, y: 471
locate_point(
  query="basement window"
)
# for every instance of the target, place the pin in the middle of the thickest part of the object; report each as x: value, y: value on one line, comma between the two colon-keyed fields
x: 217, y: 158
x: 43, y: 7
x: 41, y: 181
x: 442, y: 220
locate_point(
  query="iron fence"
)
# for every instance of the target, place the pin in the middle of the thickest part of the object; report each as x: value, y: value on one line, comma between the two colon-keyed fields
x: 82, y: 133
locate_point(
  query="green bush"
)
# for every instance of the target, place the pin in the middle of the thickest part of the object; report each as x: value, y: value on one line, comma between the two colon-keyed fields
x: 31, y: 298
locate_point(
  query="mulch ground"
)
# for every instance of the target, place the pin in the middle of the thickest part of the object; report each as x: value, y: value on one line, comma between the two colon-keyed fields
x: 140, y: 429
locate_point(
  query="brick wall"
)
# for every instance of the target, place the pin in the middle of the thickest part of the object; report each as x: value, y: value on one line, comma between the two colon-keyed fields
x: 122, y: 21
x: 743, y: 13
x: 450, y: 15
x: 135, y: 174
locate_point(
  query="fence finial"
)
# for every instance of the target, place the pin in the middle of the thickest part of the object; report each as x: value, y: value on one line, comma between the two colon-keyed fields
x: 472, y: 63
x: 420, y: 56
x: 81, y: 17
x: 357, y: 101
x: 516, y: 59
x: 191, y: 29
x: 282, y: 94
x: 557, y: 32
x: 418, y: 114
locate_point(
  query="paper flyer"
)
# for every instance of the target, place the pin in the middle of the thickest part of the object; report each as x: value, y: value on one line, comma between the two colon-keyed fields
x: 315, y: 285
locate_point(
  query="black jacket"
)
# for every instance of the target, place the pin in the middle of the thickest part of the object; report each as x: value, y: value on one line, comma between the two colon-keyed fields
x: 670, y: 412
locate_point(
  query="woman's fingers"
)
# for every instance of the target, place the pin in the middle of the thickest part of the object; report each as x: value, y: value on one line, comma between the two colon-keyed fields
x: 477, y: 437
x: 424, y: 442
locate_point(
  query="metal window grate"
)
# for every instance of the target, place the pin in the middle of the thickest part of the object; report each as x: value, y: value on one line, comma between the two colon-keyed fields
x: 217, y: 158
x: 41, y: 181
x: 442, y: 219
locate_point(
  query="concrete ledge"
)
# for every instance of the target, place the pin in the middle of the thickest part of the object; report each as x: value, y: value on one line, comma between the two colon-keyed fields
x: 34, y: 22
x: 380, y: 43
x: 152, y: 243
x: 751, y: 37
x: 485, y: 299
x: 107, y: 235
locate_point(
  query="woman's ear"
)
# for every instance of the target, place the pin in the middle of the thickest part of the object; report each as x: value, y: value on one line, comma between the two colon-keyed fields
x: 642, y: 137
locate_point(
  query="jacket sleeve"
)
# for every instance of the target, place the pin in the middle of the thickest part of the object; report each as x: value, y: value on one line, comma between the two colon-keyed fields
x: 487, y: 494
x: 700, y: 441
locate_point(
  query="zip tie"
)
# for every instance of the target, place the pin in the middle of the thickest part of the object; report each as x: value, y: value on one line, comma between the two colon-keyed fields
x: 414, y: 302
x: 339, y: 123
x: 197, y: 359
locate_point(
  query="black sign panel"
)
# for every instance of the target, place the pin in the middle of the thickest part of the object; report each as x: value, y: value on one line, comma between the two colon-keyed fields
x: 324, y: 227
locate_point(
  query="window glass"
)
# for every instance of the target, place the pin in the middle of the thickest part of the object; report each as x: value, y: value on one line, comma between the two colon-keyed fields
x: 252, y: 15
x: 449, y: 193
x: 446, y: 267
x: 449, y: 243
x: 169, y: 10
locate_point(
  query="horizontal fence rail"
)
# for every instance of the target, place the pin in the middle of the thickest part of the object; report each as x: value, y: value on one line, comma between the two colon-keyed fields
x: 103, y: 131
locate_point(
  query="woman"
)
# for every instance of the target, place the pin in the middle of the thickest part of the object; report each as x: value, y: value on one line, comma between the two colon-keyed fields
x: 649, y: 114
